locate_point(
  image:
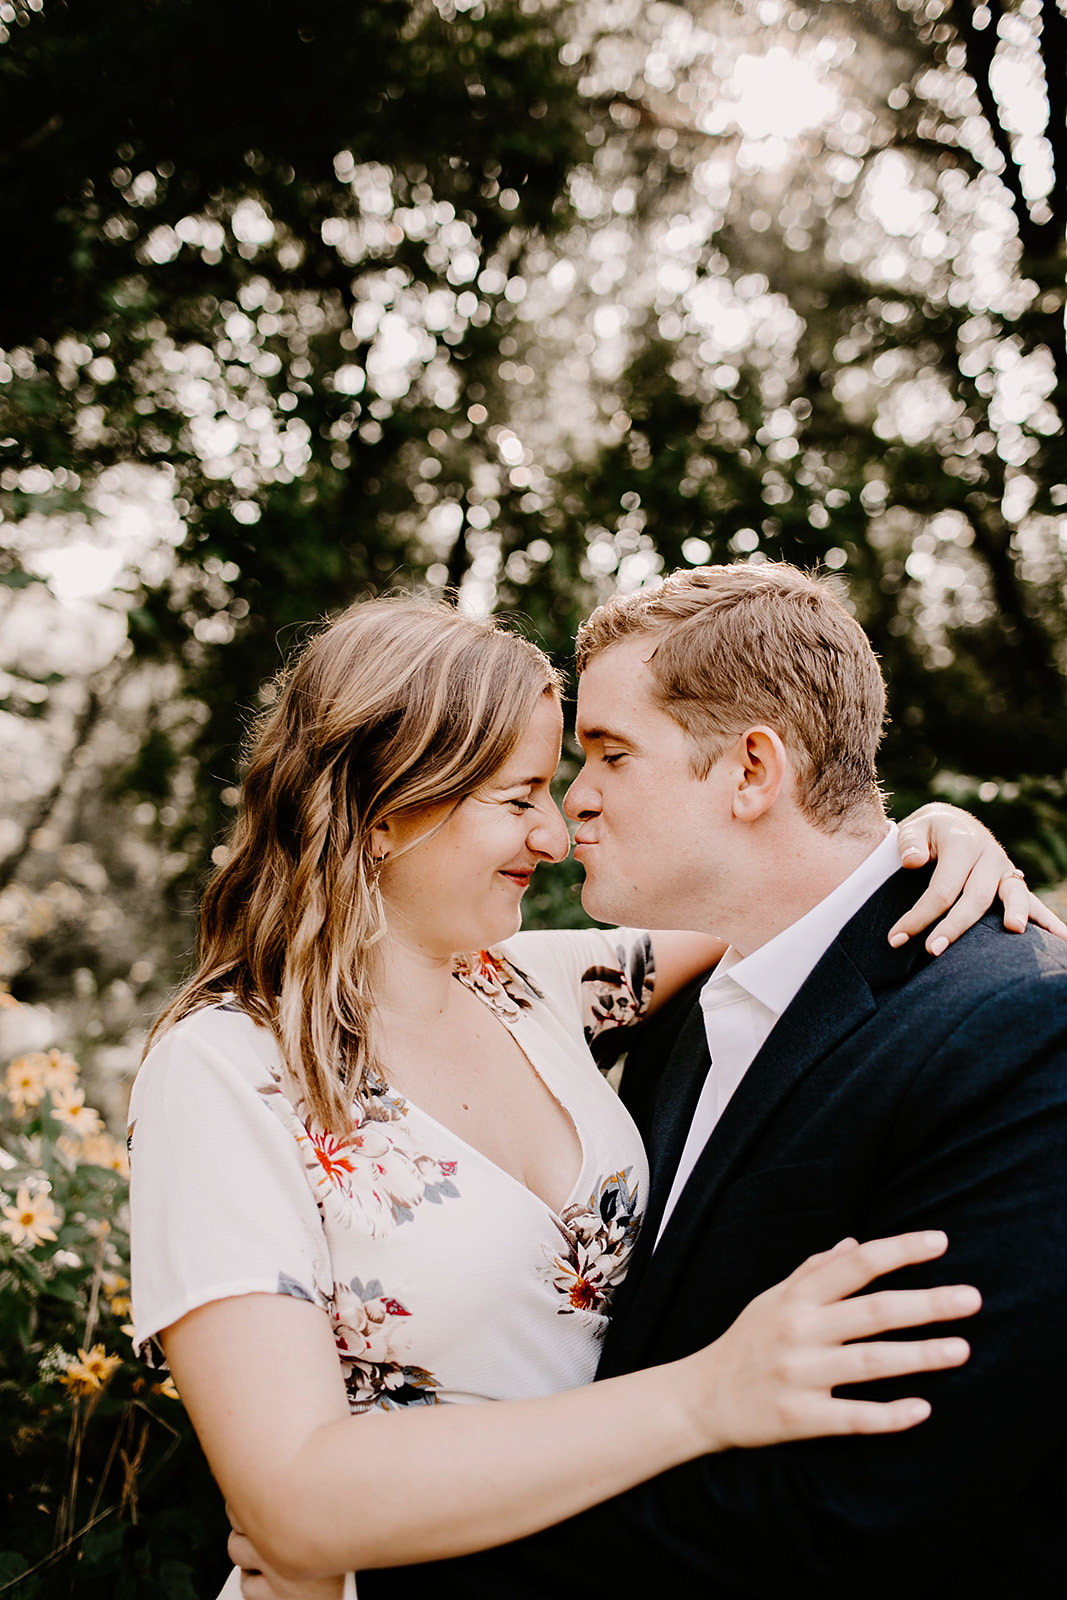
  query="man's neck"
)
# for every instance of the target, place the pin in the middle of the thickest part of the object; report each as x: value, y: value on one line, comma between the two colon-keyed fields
x: 788, y: 883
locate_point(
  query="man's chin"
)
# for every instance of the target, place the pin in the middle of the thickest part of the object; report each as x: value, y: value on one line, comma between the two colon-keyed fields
x: 600, y: 904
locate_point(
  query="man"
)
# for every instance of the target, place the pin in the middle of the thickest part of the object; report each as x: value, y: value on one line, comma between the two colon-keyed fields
x: 824, y: 1085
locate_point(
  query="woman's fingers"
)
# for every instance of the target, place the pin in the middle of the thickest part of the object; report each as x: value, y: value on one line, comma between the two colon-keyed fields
x: 958, y: 900
x: 806, y: 1406
x: 873, y: 1314
x: 971, y: 867
x: 1014, y: 896
x: 992, y: 877
x: 838, y: 1365
x: 813, y: 1263
x: 868, y: 1416
x: 976, y: 896
x: 913, y: 838
x: 972, y: 871
x: 967, y: 906
x: 775, y: 1369
x: 1038, y: 911
x: 844, y: 1273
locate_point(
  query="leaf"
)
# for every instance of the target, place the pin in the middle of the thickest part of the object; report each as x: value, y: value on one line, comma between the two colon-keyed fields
x: 104, y: 1543
x: 66, y: 1290
x: 637, y: 970
x: 176, y: 1581
x: 28, y: 1268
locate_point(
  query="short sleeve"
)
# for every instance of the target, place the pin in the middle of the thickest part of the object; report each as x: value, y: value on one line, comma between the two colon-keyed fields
x: 602, y: 977
x: 220, y: 1204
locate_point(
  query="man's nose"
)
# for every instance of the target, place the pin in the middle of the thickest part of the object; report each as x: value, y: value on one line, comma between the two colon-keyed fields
x: 580, y: 800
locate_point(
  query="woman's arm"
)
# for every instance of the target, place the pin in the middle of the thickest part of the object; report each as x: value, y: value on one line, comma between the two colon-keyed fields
x: 972, y: 870
x: 319, y: 1491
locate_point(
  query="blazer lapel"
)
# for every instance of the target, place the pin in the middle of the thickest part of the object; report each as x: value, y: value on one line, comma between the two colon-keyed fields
x: 677, y: 1094
x: 830, y: 1006
x: 676, y: 1101
x: 837, y: 998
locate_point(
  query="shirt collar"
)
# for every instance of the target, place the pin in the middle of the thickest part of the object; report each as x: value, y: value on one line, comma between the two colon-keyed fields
x: 774, y: 973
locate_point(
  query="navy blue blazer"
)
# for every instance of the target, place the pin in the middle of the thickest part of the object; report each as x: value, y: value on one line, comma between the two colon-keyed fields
x: 896, y: 1092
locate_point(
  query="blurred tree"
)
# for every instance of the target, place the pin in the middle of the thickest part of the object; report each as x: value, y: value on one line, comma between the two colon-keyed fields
x: 537, y: 301
x: 822, y: 256
x: 269, y: 253
x: 528, y: 300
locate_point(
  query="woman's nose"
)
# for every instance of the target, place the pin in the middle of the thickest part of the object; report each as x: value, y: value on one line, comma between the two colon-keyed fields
x: 550, y: 837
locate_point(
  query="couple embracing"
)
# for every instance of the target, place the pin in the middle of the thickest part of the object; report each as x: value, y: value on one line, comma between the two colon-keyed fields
x: 377, y: 1179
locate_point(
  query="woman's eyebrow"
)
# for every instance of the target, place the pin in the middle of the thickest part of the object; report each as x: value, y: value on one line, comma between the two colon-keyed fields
x: 518, y: 783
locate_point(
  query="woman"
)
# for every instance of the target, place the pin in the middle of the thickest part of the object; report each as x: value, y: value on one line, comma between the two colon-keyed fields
x: 360, y: 1185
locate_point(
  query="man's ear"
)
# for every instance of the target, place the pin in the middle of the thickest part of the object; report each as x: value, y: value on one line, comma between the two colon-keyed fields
x: 764, y: 767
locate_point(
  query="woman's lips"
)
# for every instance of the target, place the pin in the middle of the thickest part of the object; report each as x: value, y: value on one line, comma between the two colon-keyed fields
x: 521, y: 878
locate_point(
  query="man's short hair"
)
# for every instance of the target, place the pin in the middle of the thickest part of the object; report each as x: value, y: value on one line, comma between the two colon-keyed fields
x: 741, y: 645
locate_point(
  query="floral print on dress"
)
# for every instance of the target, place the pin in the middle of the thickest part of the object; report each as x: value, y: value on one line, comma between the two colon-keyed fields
x: 614, y: 997
x: 505, y: 989
x: 373, y: 1176
x: 379, y: 1180
x: 372, y: 1341
x: 598, y: 1238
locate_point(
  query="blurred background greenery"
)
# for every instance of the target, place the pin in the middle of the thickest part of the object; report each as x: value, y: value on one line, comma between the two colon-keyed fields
x: 522, y: 301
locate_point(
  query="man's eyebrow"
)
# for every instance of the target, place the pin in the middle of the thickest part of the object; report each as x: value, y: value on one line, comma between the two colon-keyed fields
x: 598, y: 735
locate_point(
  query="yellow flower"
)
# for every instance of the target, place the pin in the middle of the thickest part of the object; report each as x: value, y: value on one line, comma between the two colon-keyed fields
x: 32, y: 1219
x: 26, y: 1080
x: 101, y: 1150
x: 62, y: 1070
x: 69, y: 1108
x: 113, y: 1284
x: 166, y: 1388
x: 30, y: 1075
x: 90, y: 1372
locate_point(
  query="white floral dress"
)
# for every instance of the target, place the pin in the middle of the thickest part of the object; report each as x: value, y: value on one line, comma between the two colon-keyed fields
x: 445, y: 1279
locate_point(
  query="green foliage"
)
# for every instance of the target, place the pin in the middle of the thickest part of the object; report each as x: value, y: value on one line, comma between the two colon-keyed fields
x: 101, y: 1485
x: 496, y: 298
x: 183, y: 273
x: 798, y: 437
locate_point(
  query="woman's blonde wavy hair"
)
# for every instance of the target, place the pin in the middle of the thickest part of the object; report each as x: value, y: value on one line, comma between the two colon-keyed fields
x: 396, y: 704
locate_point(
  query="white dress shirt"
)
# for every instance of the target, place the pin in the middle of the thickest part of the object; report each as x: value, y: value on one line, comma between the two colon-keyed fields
x: 745, y: 996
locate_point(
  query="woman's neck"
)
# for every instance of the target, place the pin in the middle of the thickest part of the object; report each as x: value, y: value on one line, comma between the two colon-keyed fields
x: 413, y: 984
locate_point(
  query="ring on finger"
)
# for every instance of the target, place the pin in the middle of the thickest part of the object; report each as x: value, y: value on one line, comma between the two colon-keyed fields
x: 1013, y: 872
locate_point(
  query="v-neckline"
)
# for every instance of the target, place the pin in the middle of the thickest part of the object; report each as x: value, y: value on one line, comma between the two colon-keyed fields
x: 576, y: 1186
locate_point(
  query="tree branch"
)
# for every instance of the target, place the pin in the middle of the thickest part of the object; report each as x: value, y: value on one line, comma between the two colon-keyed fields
x: 980, y: 46
x: 45, y: 131
x: 1054, y: 56
x: 48, y: 802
